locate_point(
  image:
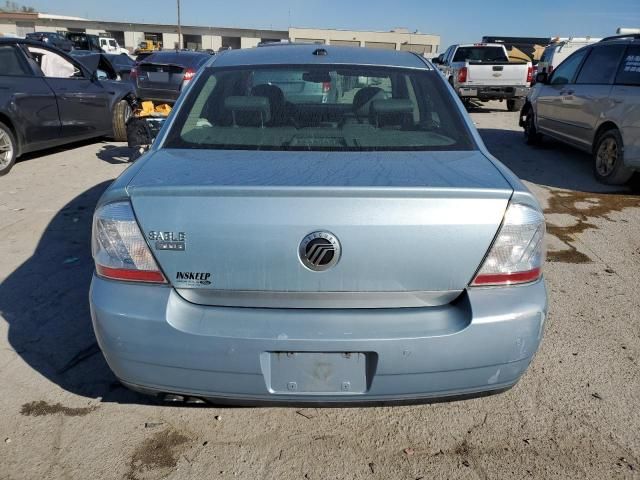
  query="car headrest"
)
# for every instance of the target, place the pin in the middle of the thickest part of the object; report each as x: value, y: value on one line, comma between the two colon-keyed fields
x: 393, y: 111
x: 273, y: 93
x: 248, y: 111
x: 363, y: 98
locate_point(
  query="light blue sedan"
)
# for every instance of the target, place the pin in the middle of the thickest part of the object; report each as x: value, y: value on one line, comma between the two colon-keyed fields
x: 362, y: 246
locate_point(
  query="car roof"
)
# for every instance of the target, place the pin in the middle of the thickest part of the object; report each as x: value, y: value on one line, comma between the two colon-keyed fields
x: 26, y: 41
x: 625, y: 39
x: 481, y: 44
x: 303, y: 54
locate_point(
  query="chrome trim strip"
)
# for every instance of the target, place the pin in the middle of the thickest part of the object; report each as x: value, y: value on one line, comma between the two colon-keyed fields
x: 280, y: 299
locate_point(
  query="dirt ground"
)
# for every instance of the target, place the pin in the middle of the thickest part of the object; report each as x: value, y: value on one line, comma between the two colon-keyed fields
x: 575, y: 414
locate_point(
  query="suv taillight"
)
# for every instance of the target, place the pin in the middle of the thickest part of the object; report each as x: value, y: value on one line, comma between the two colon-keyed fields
x: 188, y: 74
x: 120, y: 251
x: 517, y: 253
x: 462, y: 75
x: 530, y: 74
x: 133, y: 74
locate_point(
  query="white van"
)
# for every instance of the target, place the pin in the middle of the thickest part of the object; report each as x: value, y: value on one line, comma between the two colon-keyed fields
x: 110, y: 45
x: 560, y: 49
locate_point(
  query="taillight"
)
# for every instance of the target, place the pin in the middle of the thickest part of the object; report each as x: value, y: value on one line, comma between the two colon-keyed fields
x: 189, y: 73
x: 530, y: 74
x: 517, y: 254
x: 120, y: 251
x: 462, y: 75
x: 133, y: 74
x: 549, y: 69
x: 326, y: 86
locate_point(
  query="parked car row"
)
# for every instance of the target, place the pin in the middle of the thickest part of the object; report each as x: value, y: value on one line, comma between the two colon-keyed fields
x: 79, y: 41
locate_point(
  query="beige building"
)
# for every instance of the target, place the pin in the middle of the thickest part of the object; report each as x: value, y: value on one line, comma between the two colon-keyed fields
x: 397, y: 39
x: 129, y: 35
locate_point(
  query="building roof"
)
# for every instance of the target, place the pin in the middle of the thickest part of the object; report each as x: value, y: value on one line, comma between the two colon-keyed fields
x: 303, y: 54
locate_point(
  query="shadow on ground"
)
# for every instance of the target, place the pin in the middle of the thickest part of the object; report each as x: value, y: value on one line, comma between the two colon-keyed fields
x: 551, y: 164
x: 45, y: 301
x: 115, y: 155
x: 52, y: 151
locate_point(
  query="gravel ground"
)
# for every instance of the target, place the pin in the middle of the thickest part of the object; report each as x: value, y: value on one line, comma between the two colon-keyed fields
x: 573, y: 415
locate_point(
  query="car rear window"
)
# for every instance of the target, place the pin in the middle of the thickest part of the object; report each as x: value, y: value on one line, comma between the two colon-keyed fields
x: 319, y: 108
x: 176, y: 58
x: 480, y: 54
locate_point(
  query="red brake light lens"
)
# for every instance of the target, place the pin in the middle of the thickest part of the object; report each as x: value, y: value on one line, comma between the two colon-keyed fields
x: 462, y: 75
x: 530, y: 74
x: 120, y: 251
x: 517, y: 253
x: 189, y: 74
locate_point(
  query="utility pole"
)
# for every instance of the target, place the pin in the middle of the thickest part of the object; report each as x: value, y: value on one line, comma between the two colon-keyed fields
x: 179, y: 28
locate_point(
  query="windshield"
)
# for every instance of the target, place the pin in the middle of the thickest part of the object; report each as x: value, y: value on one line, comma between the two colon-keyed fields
x: 319, y: 108
x: 480, y: 54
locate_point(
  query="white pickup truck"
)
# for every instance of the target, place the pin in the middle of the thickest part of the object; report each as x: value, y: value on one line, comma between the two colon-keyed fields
x: 110, y: 45
x: 483, y: 71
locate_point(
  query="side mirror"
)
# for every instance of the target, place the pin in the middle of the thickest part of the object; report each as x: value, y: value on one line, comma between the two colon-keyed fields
x: 542, y: 77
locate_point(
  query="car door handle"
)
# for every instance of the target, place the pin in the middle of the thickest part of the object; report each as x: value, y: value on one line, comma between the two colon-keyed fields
x: 566, y: 92
x: 617, y: 100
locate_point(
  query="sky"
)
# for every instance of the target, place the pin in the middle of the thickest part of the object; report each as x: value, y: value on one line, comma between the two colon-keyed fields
x: 455, y: 21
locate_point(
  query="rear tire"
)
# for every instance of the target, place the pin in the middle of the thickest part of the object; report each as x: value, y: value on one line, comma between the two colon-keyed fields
x: 531, y: 134
x: 514, y: 104
x: 121, y: 113
x: 608, y: 159
x: 8, y: 149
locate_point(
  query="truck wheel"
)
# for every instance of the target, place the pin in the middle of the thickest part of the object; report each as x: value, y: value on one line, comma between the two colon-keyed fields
x: 608, y: 159
x: 121, y: 113
x: 531, y: 134
x: 8, y: 149
x: 514, y: 104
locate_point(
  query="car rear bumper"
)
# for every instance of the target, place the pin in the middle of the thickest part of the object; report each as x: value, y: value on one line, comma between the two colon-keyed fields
x: 157, y: 342
x: 493, y: 93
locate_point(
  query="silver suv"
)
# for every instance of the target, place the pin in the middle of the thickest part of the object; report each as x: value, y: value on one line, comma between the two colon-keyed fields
x: 592, y: 101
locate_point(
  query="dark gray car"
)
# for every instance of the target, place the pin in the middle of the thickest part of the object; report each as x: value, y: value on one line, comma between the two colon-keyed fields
x: 592, y: 101
x: 48, y: 98
x: 161, y: 76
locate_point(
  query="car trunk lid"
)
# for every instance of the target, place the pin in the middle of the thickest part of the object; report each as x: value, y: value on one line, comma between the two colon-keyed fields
x: 160, y: 76
x: 413, y: 227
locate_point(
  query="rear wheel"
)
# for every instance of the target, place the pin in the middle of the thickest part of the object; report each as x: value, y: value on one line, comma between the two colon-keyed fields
x: 121, y: 114
x: 608, y: 159
x: 8, y: 149
x: 531, y: 134
x: 514, y: 104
